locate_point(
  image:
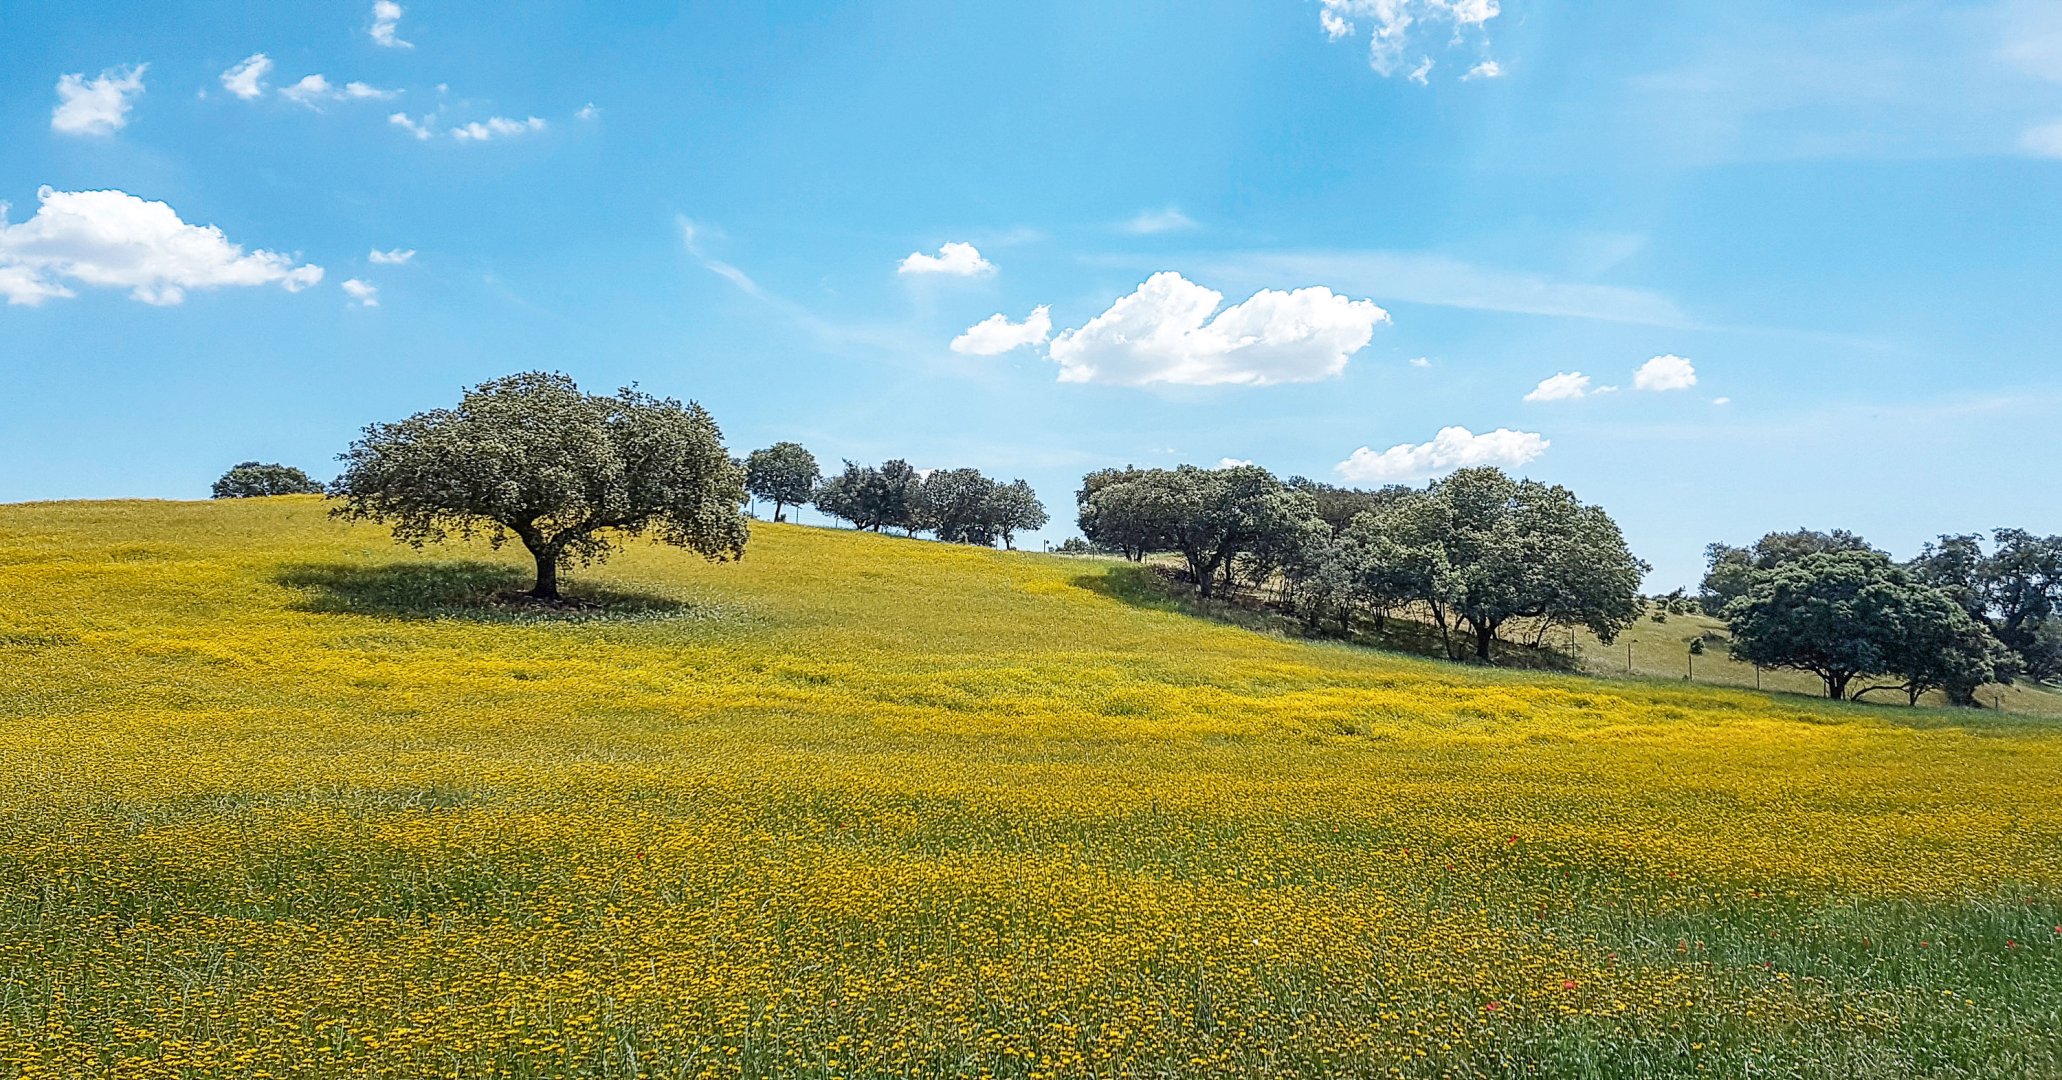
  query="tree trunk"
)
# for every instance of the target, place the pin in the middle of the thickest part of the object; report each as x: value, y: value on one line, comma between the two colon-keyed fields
x: 1836, y: 686
x: 1484, y: 634
x: 547, y: 575
x: 777, y: 504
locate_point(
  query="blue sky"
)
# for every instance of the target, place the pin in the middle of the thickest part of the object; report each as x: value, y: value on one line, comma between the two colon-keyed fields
x: 1262, y: 231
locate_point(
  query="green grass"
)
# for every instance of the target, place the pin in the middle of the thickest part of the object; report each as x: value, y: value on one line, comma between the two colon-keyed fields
x: 1662, y: 651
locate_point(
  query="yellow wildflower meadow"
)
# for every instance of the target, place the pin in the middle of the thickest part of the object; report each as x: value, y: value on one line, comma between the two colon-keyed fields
x: 281, y: 799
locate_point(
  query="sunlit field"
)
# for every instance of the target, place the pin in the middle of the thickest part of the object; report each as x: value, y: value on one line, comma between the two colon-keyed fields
x: 283, y: 799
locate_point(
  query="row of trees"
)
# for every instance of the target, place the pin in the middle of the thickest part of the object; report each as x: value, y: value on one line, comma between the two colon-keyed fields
x: 956, y: 505
x: 1478, y: 552
x: 1952, y: 619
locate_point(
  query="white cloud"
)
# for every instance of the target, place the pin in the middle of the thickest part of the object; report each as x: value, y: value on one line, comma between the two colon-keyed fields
x: 1231, y: 462
x: 955, y: 258
x: 1487, y: 69
x: 311, y: 89
x: 691, y: 236
x: 1422, y: 74
x: 2044, y: 140
x: 1453, y: 448
x: 587, y: 112
x: 1429, y: 278
x: 494, y: 127
x: 1153, y: 222
x: 1164, y: 332
x: 1392, y: 26
x: 113, y: 239
x: 99, y: 107
x: 1721, y: 401
x: 421, y: 129
x: 393, y: 257
x: 1669, y: 372
x: 314, y: 89
x: 1565, y: 386
x: 1421, y: 361
x: 365, y: 292
x: 386, y: 18
x: 996, y: 334
x: 247, y: 80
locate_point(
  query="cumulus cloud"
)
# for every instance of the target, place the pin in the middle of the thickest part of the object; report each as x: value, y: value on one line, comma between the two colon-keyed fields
x: 421, y: 129
x: 494, y: 127
x: 1487, y: 69
x: 386, y: 18
x: 1669, y: 372
x: 588, y: 112
x: 1395, y: 25
x: 1164, y: 332
x: 99, y: 106
x: 1392, y: 25
x: 1154, y: 222
x: 1453, y: 448
x: 1562, y: 387
x: 113, y: 239
x: 314, y: 89
x: 1421, y: 361
x: 247, y: 80
x: 1232, y: 462
x: 996, y: 334
x: 311, y: 89
x: 956, y: 259
x: 392, y: 257
x: 365, y: 292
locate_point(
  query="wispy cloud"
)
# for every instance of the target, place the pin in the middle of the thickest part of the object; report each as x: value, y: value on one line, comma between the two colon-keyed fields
x: 1445, y: 281
x: 1155, y: 222
x: 691, y: 235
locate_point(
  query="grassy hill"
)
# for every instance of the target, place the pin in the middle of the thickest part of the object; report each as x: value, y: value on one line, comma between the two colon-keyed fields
x: 281, y: 798
x: 1662, y: 651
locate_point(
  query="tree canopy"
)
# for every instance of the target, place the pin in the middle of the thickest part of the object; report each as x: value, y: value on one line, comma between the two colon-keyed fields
x: 257, y: 479
x: 958, y: 506
x: 1481, y: 549
x: 1210, y: 516
x: 889, y: 496
x: 567, y: 473
x: 784, y: 474
x: 955, y: 505
x: 1729, y: 570
x: 2015, y: 590
x: 1015, y: 508
x: 1125, y: 519
x: 1844, y: 614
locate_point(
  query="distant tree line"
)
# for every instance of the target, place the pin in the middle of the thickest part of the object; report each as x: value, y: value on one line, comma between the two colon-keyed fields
x: 259, y: 479
x: 1478, y: 552
x: 959, y: 506
x: 1955, y: 617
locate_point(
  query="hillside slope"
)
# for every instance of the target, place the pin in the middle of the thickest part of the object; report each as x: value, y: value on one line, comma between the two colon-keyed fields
x: 282, y: 795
